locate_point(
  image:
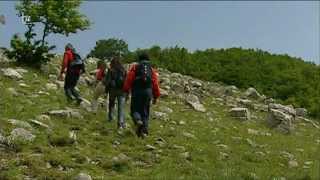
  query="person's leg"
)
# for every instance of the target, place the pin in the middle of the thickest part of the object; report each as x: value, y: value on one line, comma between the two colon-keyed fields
x: 67, y: 88
x: 121, y: 101
x: 73, y: 83
x: 112, y: 99
x: 135, y: 113
x: 145, y: 115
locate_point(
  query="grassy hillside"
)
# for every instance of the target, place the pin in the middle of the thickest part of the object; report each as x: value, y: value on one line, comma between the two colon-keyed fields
x: 286, y: 78
x: 189, y: 145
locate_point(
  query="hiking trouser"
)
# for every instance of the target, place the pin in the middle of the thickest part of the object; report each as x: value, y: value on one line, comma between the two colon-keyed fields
x: 120, y: 98
x: 140, y: 109
x: 98, y: 91
x: 70, y: 83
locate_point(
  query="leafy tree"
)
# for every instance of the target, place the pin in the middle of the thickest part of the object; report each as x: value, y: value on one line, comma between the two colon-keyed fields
x: 55, y: 17
x: 107, y: 48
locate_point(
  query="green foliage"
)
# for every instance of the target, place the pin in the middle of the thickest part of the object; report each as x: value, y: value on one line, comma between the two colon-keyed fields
x: 107, y: 48
x: 55, y: 16
x: 289, y: 79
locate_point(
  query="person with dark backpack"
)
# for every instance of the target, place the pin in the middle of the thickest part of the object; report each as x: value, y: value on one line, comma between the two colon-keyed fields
x: 73, y: 66
x: 142, y: 81
x: 114, y: 81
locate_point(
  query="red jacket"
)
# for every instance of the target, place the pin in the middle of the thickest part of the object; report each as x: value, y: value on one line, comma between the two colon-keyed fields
x: 131, y: 77
x: 67, y: 58
x: 100, y: 74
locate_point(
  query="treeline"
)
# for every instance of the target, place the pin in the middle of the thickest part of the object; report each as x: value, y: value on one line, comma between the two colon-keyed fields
x: 289, y: 79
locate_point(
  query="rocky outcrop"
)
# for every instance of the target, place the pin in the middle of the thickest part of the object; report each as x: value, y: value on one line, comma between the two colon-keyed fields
x: 240, y: 113
x: 281, y: 117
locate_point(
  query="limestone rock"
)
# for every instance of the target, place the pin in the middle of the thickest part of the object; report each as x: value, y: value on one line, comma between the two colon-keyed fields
x: 160, y: 116
x: 22, y: 134
x: 51, y: 86
x: 240, y: 113
x: 11, y: 73
x: 193, y: 100
x: 83, y: 176
x: 302, y: 112
x: 19, y: 123
x: 252, y: 93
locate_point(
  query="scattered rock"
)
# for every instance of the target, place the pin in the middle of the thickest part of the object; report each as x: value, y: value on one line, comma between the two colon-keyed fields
x: 51, y: 86
x: 182, y: 148
x: 38, y: 123
x: 19, y: 123
x: 66, y: 113
x: 240, y: 113
x: 293, y: 164
x: 189, y: 135
x: 83, y: 176
x: 13, y: 91
x: 85, y: 104
x: 150, y: 147
x: 186, y: 155
x: 160, y: 116
x: 43, y: 117
x: 252, y: 93
x: 193, y: 100
x: 302, y: 112
x: 22, y: 134
x: 11, y: 73
x: 166, y: 109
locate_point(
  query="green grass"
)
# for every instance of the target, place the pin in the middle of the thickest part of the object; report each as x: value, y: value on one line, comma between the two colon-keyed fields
x: 93, y: 150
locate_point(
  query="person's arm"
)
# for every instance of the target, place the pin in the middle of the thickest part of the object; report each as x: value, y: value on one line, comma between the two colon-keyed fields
x: 64, y: 65
x: 155, y: 86
x: 129, y: 80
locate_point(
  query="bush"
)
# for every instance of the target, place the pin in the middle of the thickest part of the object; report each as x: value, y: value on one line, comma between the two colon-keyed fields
x: 29, y: 54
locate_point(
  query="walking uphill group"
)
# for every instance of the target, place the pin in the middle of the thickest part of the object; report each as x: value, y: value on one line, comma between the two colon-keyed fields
x: 141, y: 81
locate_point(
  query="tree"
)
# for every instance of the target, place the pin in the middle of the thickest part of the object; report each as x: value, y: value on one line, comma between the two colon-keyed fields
x: 54, y: 16
x: 107, y: 48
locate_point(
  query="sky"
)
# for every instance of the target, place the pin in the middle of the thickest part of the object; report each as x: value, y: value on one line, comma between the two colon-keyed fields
x: 286, y: 27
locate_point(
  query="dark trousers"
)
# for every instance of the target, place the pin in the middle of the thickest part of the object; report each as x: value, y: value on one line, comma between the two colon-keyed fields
x: 70, y: 83
x: 140, y: 109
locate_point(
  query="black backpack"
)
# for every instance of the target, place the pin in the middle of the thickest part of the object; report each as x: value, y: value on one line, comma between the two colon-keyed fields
x: 77, y: 61
x: 143, y: 78
x: 115, y: 79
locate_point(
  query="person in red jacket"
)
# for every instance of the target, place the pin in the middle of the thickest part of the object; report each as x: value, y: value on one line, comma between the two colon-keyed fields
x: 72, y: 74
x: 100, y: 87
x: 142, y: 81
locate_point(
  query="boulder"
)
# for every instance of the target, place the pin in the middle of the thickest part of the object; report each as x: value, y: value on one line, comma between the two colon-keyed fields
x: 240, y: 113
x: 83, y: 176
x: 51, y: 86
x: 252, y: 93
x: 21, y: 134
x: 13, y: 91
x: 302, y: 112
x: 19, y: 123
x: 86, y: 105
x: 21, y: 70
x: 11, y: 73
x: 283, y: 108
x: 230, y: 90
x: 280, y: 120
x: 194, y: 102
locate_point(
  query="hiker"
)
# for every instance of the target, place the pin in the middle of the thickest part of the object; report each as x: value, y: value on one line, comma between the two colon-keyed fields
x: 114, y: 81
x: 73, y: 67
x: 142, y: 81
x: 99, y: 86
